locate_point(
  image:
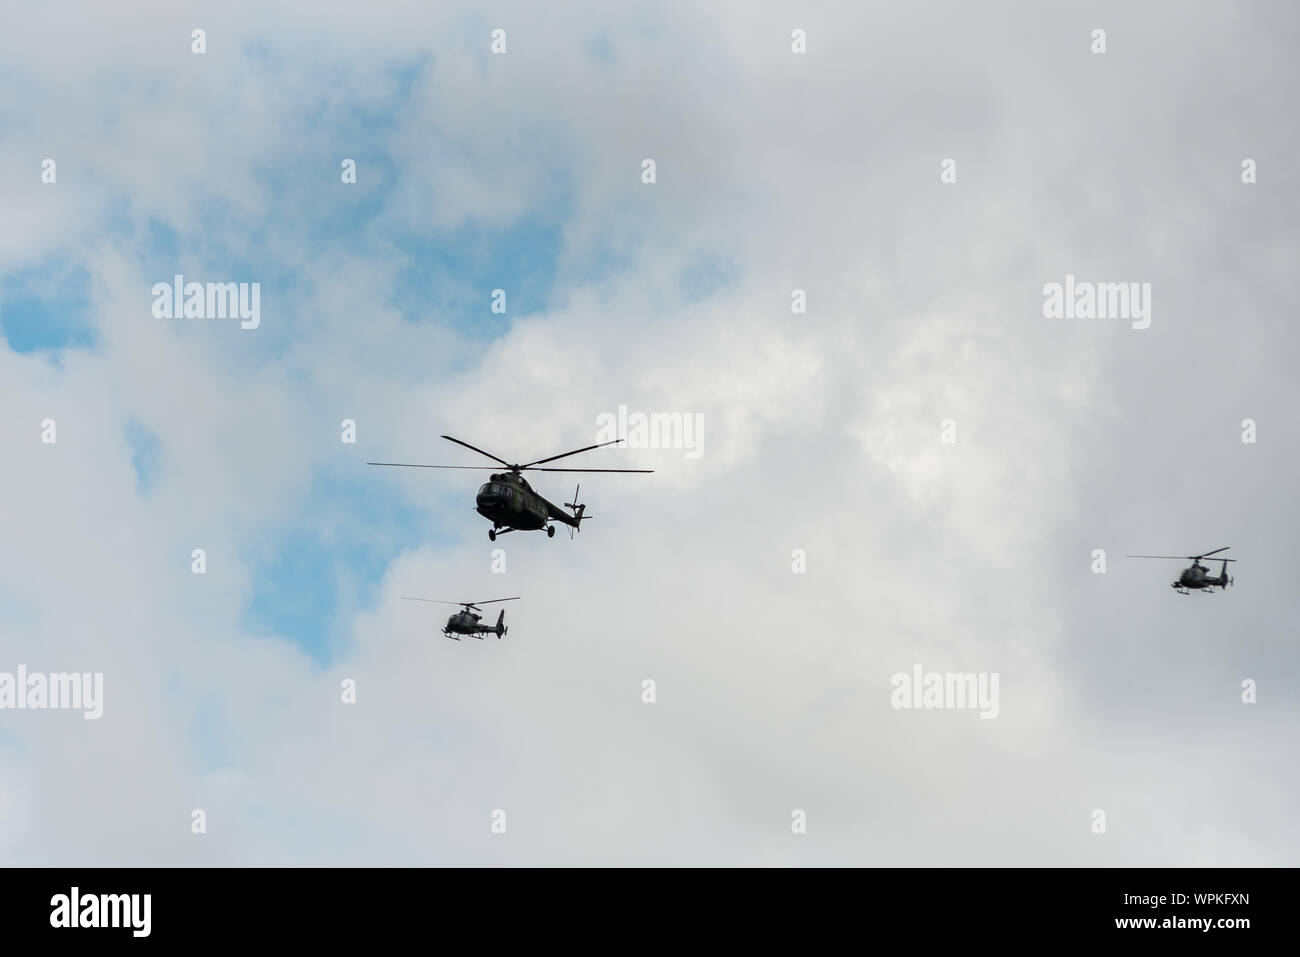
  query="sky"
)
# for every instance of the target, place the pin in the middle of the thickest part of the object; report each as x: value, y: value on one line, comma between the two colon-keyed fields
x: 918, y: 470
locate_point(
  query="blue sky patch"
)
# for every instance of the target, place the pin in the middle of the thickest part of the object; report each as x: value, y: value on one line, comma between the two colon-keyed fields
x: 146, y: 450
x: 448, y: 279
x: 47, y: 308
x: 707, y: 276
x: 313, y: 572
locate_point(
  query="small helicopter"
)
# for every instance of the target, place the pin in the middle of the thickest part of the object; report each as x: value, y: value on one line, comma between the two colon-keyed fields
x: 511, y: 504
x: 1198, y: 577
x: 465, y: 622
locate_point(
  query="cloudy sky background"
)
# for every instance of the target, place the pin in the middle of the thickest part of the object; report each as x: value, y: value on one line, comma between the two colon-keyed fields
x: 821, y: 431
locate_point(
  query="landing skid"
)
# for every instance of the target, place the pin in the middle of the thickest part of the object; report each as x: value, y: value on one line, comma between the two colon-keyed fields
x: 494, y: 532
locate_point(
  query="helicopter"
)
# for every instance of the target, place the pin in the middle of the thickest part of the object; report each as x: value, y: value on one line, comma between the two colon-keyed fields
x: 1198, y: 577
x: 511, y: 504
x: 465, y: 622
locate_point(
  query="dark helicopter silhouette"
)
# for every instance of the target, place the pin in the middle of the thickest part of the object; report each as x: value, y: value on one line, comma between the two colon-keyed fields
x: 510, y: 503
x: 1198, y: 577
x: 465, y: 622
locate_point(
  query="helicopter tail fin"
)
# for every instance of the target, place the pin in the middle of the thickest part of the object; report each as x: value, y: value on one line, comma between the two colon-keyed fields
x: 577, y: 512
x: 501, y: 628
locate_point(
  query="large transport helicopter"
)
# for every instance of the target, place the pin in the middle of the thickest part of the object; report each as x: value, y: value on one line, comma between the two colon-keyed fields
x: 1198, y: 577
x: 465, y: 622
x: 510, y: 503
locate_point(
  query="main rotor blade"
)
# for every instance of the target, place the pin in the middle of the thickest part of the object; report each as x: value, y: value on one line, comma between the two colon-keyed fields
x: 564, y: 455
x: 414, y: 465
x: 469, y: 604
x: 642, y: 471
x: 479, y: 451
x: 1189, y: 558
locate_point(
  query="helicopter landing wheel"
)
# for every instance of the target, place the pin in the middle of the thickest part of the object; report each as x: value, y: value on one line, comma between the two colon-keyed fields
x: 550, y: 531
x: 492, y: 535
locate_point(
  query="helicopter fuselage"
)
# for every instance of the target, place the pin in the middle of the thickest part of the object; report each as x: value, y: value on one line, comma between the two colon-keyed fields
x: 508, y: 501
x: 1198, y: 576
x: 468, y: 623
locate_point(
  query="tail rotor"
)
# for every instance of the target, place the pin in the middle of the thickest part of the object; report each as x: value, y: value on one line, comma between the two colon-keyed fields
x: 577, y: 512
